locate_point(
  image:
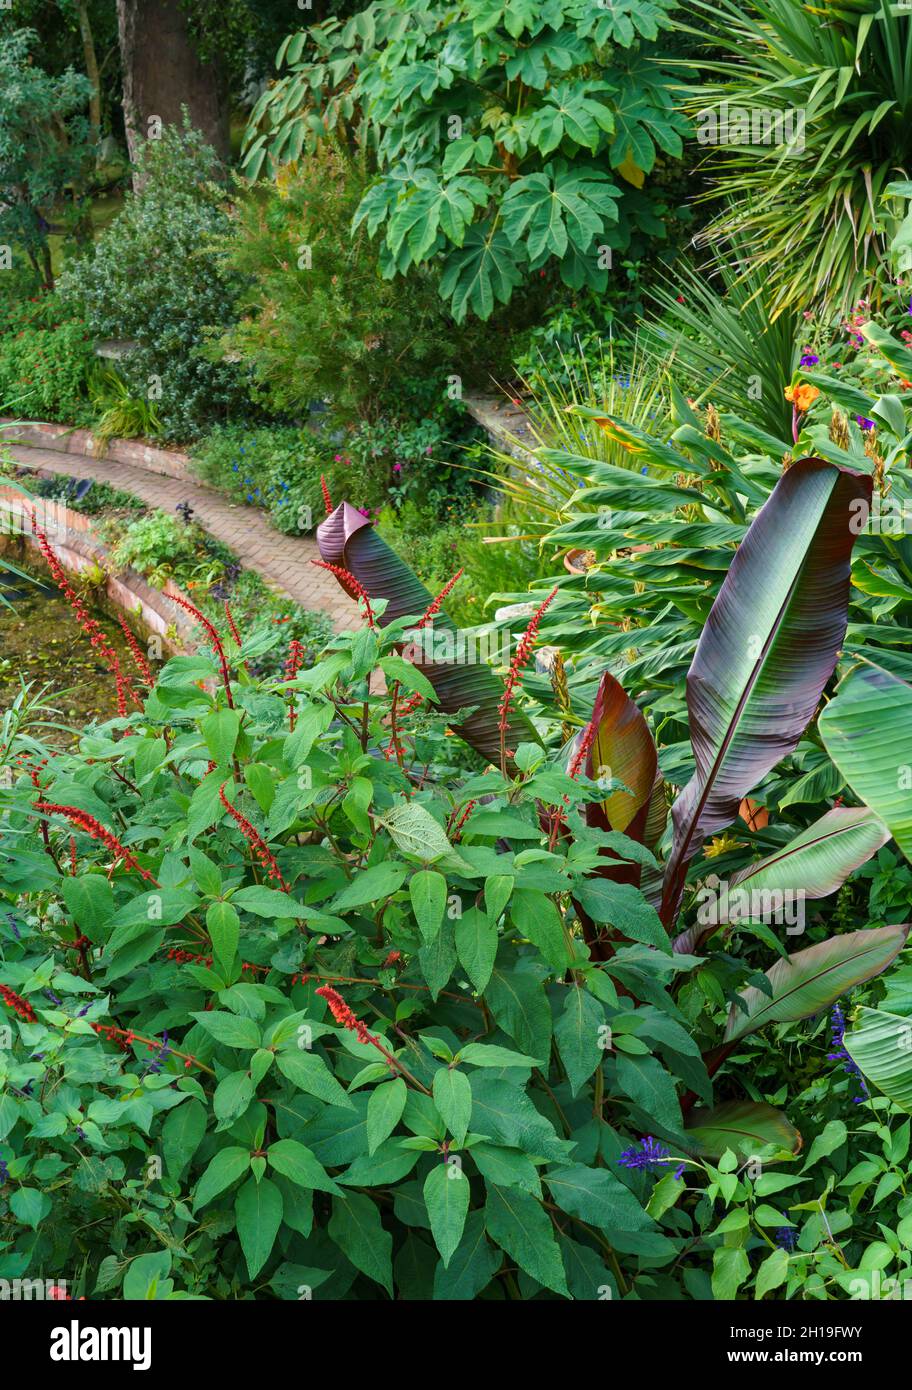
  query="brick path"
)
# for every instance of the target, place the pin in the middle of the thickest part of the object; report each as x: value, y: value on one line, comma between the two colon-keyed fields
x: 283, y: 561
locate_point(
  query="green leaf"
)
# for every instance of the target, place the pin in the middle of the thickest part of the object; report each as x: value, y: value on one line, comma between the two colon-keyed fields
x: 428, y: 892
x: 490, y: 1055
x: 30, y: 1206
x: 453, y: 1099
x: 518, y: 1002
x: 881, y: 1045
x: 296, y: 1162
x: 224, y: 928
x: 481, y: 273
x: 864, y: 729
x: 220, y: 730
x: 476, y: 939
x: 266, y: 902
x: 599, y: 1198
x: 370, y: 885
x: 623, y: 907
x: 471, y: 1268
x: 497, y: 891
x: 557, y: 205
x: 446, y: 1196
x: 229, y: 1029
x: 744, y: 1126
x: 384, y: 1111
x: 309, y: 1073
x: 438, y: 960
x: 649, y: 1085
x: 90, y: 903
x: 258, y: 1210
x: 223, y: 1170
x: 232, y: 1096
x: 579, y: 1036
x: 811, y: 980
x: 182, y: 1134
x: 520, y: 1225
x: 730, y: 1269
x: 415, y: 831
x: 356, y: 1228
x: 535, y: 916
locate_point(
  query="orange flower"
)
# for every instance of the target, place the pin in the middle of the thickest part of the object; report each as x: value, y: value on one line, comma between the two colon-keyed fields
x: 802, y: 396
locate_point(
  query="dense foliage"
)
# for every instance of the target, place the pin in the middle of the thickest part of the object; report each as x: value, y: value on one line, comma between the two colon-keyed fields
x: 510, y: 139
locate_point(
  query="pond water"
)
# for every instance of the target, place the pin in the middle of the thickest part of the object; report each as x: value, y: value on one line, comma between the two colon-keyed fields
x: 41, y: 640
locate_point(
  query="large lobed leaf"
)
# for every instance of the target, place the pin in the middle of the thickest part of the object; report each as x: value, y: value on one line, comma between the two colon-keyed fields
x: 768, y: 649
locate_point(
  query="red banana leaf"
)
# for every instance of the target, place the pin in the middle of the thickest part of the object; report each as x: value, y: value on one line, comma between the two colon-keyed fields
x: 769, y: 647
x: 347, y: 538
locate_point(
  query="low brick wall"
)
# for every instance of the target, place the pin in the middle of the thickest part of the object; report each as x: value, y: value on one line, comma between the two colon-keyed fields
x: 66, y: 440
x: 73, y: 542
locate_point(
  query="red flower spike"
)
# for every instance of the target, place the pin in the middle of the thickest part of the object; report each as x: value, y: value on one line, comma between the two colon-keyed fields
x: 327, y: 500
x: 21, y: 1006
x: 136, y: 651
x: 523, y: 652
x: 83, y: 821
x: 435, y: 606
x: 348, y: 578
x: 256, y: 842
x: 214, y: 638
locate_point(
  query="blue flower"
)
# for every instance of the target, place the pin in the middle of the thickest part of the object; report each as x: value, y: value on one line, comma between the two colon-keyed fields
x: 786, y: 1238
x: 839, y: 1054
x: 863, y: 423
x: 648, y: 1154
x: 809, y: 360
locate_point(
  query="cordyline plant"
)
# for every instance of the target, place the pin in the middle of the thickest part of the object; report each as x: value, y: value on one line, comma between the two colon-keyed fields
x: 312, y: 1003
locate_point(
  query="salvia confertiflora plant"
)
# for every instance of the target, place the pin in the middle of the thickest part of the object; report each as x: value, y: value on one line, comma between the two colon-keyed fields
x: 361, y: 983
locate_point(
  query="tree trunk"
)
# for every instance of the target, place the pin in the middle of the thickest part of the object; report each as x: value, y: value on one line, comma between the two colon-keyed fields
x: 162, y: 74
x: 91, y: 64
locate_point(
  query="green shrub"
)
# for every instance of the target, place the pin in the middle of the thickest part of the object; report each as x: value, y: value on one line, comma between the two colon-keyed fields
x: 152, y: 277
x: 319, y: 322
x: 275, y: 467
x: 46, y: 359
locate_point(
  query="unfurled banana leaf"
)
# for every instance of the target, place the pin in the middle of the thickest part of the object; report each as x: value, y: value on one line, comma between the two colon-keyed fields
x: 622, y: 749
x: 744, y: 1126
x: 811, y: 980
x: 813, y: 865
x: 881, y: 1046
x: 867, y: 731
x: 768, y: 649
x: 347, y: 539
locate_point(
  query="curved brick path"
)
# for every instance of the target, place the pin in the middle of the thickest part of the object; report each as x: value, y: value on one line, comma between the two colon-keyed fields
x: 284, y: 561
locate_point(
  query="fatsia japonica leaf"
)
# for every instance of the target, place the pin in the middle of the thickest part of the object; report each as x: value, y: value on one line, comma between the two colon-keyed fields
x: 865, y: 730
x: 880, y: 1043
x: 482, y: 272
x: 347, y: 539
x: 812, y: 979
x: 769, y: 647
x: 559, y: 205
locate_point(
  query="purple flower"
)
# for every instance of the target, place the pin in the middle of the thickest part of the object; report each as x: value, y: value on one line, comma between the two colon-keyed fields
x: 809, y: 360
x: 863, y: 423
x: 53, y: 997
x: 786, y: 1238
x: 13, y: 923
x: 648, y: 1154
x: 839, y: 1054
x: 4, y: 1172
